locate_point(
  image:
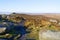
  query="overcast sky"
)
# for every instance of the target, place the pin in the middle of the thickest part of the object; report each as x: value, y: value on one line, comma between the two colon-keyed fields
x: 30, y: 6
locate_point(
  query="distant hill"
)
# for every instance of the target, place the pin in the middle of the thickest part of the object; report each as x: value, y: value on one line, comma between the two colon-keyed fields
x: 53, y: 15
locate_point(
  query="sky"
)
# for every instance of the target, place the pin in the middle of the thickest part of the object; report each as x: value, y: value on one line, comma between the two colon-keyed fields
x: 30, y: 6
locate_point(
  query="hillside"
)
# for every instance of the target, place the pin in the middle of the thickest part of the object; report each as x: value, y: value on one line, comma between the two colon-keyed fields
x: 27, y: 26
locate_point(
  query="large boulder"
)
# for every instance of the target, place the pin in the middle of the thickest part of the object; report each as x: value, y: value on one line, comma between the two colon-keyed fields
x: 2, y: 29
